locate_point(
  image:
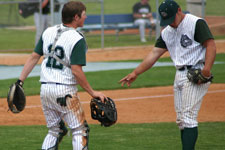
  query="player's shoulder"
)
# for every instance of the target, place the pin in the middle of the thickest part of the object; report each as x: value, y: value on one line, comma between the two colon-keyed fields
x: 51, y: 29
x: 190, y: 17
x: 167, y: 29
x: 73, y: 34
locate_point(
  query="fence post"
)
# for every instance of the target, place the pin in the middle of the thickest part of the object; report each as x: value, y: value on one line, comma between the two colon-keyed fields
x: 52, y: 6
x: 102, y: 23
x: 157, y: 20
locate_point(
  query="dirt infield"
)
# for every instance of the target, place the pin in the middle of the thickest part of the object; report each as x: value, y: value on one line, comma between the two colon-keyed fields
x: 142, y: 105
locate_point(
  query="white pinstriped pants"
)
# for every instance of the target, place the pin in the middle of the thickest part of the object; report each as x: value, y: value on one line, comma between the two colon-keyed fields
x: 72, y: 114
x: 187, y: 100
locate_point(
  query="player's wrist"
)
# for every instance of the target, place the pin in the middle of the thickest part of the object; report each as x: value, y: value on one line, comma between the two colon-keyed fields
x: 135, y: 73
x: 19, y: 82
x: 206, y: 73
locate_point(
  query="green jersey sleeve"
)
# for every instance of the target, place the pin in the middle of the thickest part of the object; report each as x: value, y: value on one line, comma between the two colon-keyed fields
x: 160, y: 43
x: 202, y: 32
x: 39, y: 47
x: 78, y: 56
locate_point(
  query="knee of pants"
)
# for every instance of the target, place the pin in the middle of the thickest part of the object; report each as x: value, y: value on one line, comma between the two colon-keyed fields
x: 140, y: 22
x: 179, y: 123
x: 54, y: 131
x: 186, y: 122
x: 51, y: 140
x: 81, y: 136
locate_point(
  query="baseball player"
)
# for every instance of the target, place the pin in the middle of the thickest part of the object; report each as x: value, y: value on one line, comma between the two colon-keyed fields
x: 191, y: 45
x: 143, y: 17
x: 64, y: 50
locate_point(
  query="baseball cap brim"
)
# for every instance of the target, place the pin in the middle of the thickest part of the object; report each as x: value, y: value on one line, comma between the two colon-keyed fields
x: 165, y: 22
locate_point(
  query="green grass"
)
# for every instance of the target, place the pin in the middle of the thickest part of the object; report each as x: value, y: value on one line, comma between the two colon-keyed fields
x: 148, y: 136
x: 10, y: 17
x: 23, y: 41
x: 16, y: 39
x: 123, y: 40
x: 111, y: 7
x: 103, y: 80
x: 125, y: 6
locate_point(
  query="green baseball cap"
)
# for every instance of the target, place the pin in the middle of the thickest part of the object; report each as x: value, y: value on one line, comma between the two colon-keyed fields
x: 167, y: 11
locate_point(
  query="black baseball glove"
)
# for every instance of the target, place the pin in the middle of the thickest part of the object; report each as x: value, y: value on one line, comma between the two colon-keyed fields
x: 27, y: 9
x: 196, y: 76
x: 16, y: 98
x: 105, y: 112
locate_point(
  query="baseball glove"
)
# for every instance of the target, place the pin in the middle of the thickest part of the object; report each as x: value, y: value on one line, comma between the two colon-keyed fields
x: 16, y: 98
x: 196, y: 76
x: 105, y: 112
x: 27, y: 9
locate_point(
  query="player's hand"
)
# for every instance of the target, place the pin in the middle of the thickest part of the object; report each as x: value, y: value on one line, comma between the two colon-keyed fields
x: 128, y: 79
x: 100, y: 95
x: 20, y: 11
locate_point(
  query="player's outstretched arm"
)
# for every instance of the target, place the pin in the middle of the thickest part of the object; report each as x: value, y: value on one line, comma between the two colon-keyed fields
x: 82, y: 81
x: 29, y: 65
x: 146, y: 64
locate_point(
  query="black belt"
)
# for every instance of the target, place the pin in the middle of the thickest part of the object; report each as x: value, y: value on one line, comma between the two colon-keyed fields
x: 52, y: 83
x: 185, y: 67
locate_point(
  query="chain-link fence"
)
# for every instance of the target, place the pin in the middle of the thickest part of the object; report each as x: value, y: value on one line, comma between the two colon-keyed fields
x: 9, y: 14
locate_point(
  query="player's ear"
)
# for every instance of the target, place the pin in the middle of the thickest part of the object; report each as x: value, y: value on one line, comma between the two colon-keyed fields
x: 76, y: 17
x: 179, y: 9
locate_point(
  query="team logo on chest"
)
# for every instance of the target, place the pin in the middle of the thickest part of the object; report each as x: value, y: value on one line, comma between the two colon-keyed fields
x: 164, y: 14
x: 185, y: 41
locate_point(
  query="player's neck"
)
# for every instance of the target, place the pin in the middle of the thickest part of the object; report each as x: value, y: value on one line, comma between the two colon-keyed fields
x: 71, y: 25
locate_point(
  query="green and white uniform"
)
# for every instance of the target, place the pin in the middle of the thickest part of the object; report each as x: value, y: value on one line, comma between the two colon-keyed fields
x: 184, y: 44
x: 58, y: 81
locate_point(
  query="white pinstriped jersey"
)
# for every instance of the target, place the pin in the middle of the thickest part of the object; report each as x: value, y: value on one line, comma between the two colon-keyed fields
x: 51, y: 70
x: 183, y: 49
